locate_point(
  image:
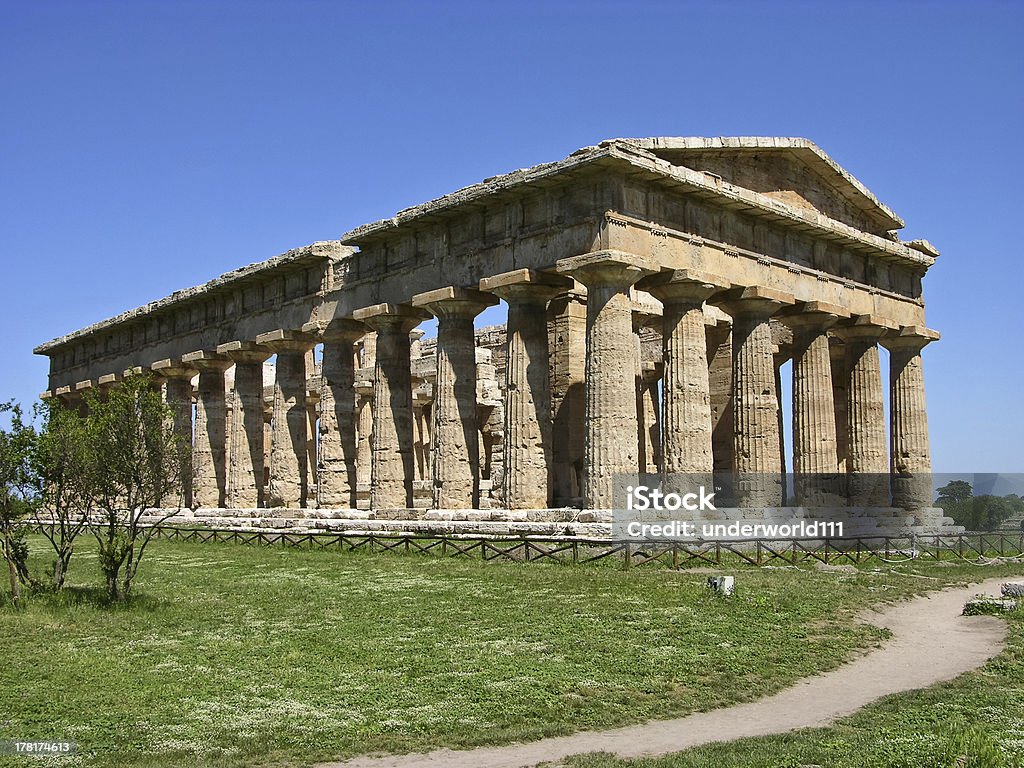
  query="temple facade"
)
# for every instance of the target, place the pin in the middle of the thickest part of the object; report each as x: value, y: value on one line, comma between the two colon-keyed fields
x: 654, y: 289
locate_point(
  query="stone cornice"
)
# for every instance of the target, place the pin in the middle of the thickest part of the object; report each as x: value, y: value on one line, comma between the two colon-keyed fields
x: 317, y: 251
x: 624, y: 154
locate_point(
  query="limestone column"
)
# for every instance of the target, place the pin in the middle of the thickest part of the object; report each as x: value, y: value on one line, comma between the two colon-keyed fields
x: 177, y: 392
x: 336, y: 474
x: 719, y: 338
x: 364, y: 431
x: 245, y: 439
x: 289, y: 470
x: 840, y: 389
x: 686, y: 390
x: 911, y: 462
x: 209, y: 465
x: 610, y: 448
x: 757, y: 459
x: 421, y: 400
x: 648, y: 409
x: 867, y: 455
x: 455, y: 467
x: 392, y: 470
x: 527, y: 439
x: 815, y: 457
x: 567, y: 343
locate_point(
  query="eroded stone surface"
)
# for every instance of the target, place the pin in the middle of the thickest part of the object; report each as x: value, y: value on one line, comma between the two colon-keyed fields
x: 550, y: 408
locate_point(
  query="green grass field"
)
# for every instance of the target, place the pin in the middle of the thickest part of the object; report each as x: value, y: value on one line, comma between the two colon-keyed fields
x: 975, y: 721
x: 243, y: 656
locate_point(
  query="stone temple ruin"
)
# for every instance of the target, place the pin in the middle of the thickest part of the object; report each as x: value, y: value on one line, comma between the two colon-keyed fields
x: 654, y: 289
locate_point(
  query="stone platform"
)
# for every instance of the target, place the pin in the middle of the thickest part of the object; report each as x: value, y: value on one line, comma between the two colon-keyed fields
x: 563, y: 522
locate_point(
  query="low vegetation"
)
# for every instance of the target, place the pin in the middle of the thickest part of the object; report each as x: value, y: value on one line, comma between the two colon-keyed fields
x: 228, y: 655
x: 975, y: 721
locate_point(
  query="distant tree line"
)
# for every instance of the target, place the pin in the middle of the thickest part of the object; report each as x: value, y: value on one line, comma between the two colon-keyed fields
x: 94, y: 470
x: 978, y: 513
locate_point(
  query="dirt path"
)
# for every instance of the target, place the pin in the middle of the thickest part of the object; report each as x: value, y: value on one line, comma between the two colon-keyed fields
x: 930, y: 642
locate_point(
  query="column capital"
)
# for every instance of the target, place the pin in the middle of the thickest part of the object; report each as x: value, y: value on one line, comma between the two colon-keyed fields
x: 284, y: 340
x: 755, y: 300
x: 400, y: 317
x: 207, y: 361
x: 173, y: 368
x: 243, y: 351
x: 82, y: 386
x: 812, y: 315
x: 689, y: 286
x: 135, y: 370
x: 109, y: 380
x: 866, y: 327
x: 651, y: 370
x: 526, y: 285
x: 64, y: 391
x: 614, y: 268
x: 453, y: 301
x: 912, y: 338
x: 338, y: 329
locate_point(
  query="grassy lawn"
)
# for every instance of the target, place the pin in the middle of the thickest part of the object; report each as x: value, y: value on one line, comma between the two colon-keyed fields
x: 234, y: 655
x: 975, y: 721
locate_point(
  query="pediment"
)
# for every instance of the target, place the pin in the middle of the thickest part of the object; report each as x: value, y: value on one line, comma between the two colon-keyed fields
x: 791, y: 170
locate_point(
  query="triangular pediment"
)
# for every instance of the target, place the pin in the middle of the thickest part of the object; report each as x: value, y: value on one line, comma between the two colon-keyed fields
x: 792, y: 170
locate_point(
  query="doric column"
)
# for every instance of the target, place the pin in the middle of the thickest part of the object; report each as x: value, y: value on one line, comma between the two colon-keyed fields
x: 527, y: 440
x: 867, y: 457
x: 911, y: 462
x: 422, y: 397
x: 757, y: 459
x: 840, y: 390
x: 177, y: 393
x: 567, y: 345
x: 245, y: 441
x: 289, y: 465
x: 209, y: 460
x: 392, y: 463
x: 686, y: 392
x: 336, y: 473
x: 648, y: 414
x: 364, y: 432
x: 719, y: 347
x: 455, y: 465
x: 815, y: 458
x: 610, y: 447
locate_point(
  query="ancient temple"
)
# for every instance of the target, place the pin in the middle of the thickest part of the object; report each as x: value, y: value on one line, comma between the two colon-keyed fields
x: 654, y: 289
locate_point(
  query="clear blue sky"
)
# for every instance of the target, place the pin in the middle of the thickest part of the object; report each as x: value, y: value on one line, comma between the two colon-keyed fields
x: 149, y: 146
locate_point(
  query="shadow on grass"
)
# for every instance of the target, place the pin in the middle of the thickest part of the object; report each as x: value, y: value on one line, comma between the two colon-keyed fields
x: 87, y: 597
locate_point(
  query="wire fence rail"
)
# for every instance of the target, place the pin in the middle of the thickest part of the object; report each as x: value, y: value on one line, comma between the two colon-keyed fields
x: 979, y: 548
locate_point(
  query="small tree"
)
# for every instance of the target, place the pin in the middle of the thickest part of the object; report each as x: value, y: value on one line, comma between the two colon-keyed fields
x: 137, y: 461
x: 989, y: 512
x: 18, y: 494
x: 62, y: 462
x: 956, y: 498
